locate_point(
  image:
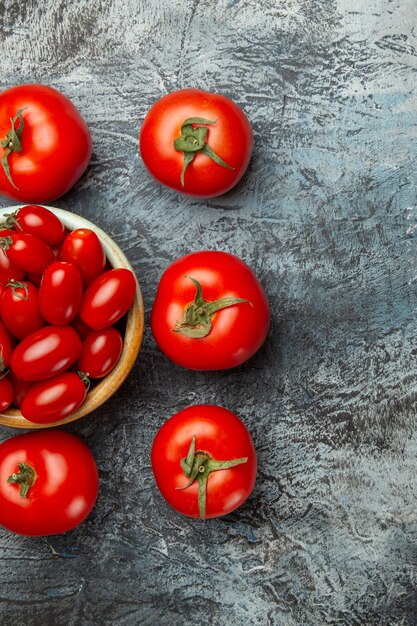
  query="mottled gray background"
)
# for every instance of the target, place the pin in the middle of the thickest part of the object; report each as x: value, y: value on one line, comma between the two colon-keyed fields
x: 327, y: 217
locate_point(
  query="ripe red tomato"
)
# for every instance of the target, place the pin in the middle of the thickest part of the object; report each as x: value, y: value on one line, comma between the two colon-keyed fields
x: 83, y: 248
x: 38, y: 221
x: 48, y: 483
x: 46, y: 353
x: 6, y: 393
x: 108, y: 298
x: 45, y: 146
x: 210, y: 311
x: 51, y: 400
x: 27, y: 252
x: 20, y: 388
x: 100, y: 352
x: 7, y: 270
x: 60, y: 293
x: 196, y: 142
x: 20, y: 309
x: 5, y: 348
x: 204, y: 461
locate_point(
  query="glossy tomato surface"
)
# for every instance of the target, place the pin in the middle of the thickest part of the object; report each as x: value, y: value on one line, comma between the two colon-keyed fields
x: 46, y: 353
x: 55, y: 143
x: 230, y: 137
x: 60, y: 293
x: 53, y: 399
x: 237, y: 331
x: 83, y: 248
x: 6, y: 393
x: 27, y: 252
x: 41, y: 222
x: 108, y: 298
x: 5, y: 348
x: 218, y: 432
x: 7, y: 270
x: 100, y: 352
x: 20, y: 309
x: 64, y: 481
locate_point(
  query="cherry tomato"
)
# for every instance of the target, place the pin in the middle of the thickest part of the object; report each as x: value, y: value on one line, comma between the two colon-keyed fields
x: 7, y: 270
x: 6, y: 393
x: 100, y: 352
x: 27, y: 252
x: 51, y: 400
x: 196, y: 142
x: 5, y: 348
x: 38, y: 221
x: 83, y: 248
x: 210, y: 311
x: 204, y: 461
x: 20, y: 388
x: 50, y: 147
x: 20, y: 309
x: 48, y: 483
x: 60, y: 293
x: 46, y: 353
x: 108, y: 298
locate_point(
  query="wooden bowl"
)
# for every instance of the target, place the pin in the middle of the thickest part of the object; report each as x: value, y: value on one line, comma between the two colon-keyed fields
x: 107, y: 386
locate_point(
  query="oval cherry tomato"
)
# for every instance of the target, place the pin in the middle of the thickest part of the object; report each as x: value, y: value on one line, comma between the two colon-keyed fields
x: 5, y: 348
x: 50, y: 148
x: 7, y: 270
x: 51, y: 400
x: 46, y: 353
x: 60, y: 293
x: 38, y: 221
x: 20, y: 309
x: 27, y: 252
x: 108, y: 298
x: 210, y: 311
x: 20, y: 388
x: 196, y: 142
x: 48, y: 483
x: 100, y: 352
x: 204, y: 461
x: 6, y: 393
x: 83, y: 248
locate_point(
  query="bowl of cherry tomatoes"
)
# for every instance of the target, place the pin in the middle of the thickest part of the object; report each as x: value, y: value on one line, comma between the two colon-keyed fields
x: 71, y: 317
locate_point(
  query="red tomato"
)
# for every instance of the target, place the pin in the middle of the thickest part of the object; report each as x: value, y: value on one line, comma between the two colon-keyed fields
x: 20, y: 309
x: 60, y: 293
x: 5, y: 348
x: 27, y: 252
x: 7, y: 270
x: 46, y: 353
x: 204, y: 461
x: 83, y: 248
x: 20, y: 388
x: 38, y: 221
x: 48, y: 483
x: 100, y: 353
x: 196, y: 142
x: 51, y: 400
x: 210, y: 311
x: 6, y: 393
x: 50, y: 147
x: 108, y: 298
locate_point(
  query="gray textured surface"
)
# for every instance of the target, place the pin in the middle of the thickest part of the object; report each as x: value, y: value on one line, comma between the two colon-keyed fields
x: 327, y: 217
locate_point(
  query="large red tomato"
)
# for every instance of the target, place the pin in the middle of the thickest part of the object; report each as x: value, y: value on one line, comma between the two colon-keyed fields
x: 45, y: 143
x: 210, y: 311
x: 204, y: 461
x: 48, y: 483
x: 196, y: 142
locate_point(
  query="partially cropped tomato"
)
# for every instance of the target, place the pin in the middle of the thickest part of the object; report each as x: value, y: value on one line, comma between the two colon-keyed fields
x: 48, y: 483
x: 60, y: 293
x: 45, y: 143
x: 20, y: 389
x: 53, y: 399
x: 27, y: 252
x: 46, y: 353
x: 83, y: 248
x: 6, y: 392
x: 196, y: 142
x: 20, y: 309
x: 5, y: 348
x: 38, y: 221
x: 210, y: 311
x: 7, y: 269
x: 100, y: 352
x: 108, y: 298
x: 204, y: 461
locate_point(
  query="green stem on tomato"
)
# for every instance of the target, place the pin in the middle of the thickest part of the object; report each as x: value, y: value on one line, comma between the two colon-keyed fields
x: 25, y: 477
x: 12, y: 143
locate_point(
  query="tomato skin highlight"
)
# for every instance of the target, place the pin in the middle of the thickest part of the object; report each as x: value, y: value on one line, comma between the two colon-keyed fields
x: 108, y: 298
x: 56, y: 144
x: 65, y: 488
x: 20, y: 310
x: 6, y: 393
x: 29, y: 253
x: 237, y: 332
x: 223, y: 435
x: 230, y: 137
x: 41, y: 222
x: 83, y: 249
x: 100, y: 352
x: 46, y: 353
x: 53, y: 399
x: 60, y: 293
x: 5, y: 348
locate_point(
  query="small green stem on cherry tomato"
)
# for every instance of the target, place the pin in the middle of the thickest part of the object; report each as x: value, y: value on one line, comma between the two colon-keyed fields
x: 85, y: 379
x: 3, y: 373
x: 198, y: 466
x: 11, y: 143
x: 25, y: 477
x: 193, y: 140
x: 5, y: 243
x: 196, y: 319
x: 11, y: 221
x: 15, y: 284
